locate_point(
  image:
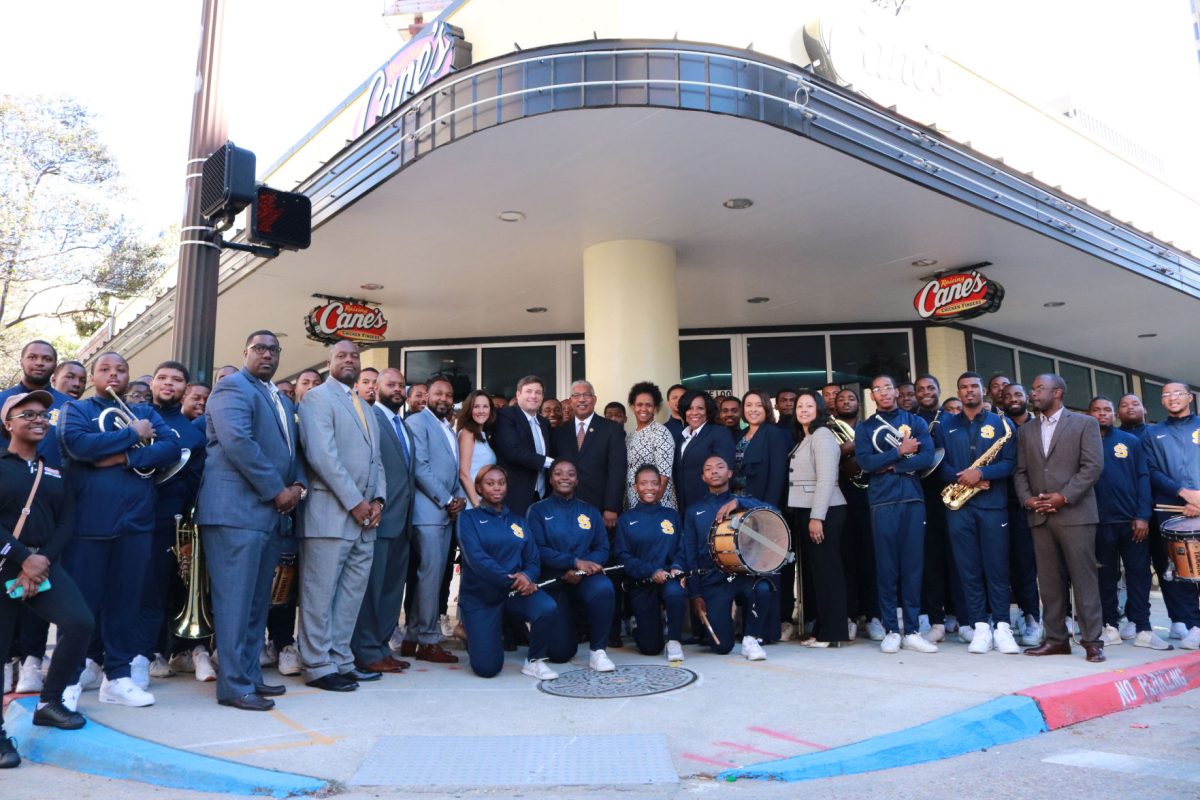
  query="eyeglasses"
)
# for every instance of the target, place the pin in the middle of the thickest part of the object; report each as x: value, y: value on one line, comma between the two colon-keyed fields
x: 875, y: 389
x: 1175, y: 393
x: 263, y: 349
x: 30, y: 416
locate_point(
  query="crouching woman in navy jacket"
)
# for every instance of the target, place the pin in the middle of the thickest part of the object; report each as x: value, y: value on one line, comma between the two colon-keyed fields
x: 648, y: 537
x: 500, y: 557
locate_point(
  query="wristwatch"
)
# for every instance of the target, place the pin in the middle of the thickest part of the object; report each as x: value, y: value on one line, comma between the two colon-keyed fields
x: 303, y: 491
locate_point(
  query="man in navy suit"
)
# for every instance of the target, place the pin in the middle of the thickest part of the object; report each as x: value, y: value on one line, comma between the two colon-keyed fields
x: 596, y: 446
x: 523, y: 446
x: 253, y: 478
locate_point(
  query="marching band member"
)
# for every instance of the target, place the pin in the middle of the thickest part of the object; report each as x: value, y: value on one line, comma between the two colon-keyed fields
x: 858, y: 551
x: 1123, y: 498
x: 978, y: 537
x: 675, y: 423
x: 897, y: 511
x: 713, y: 593
x: 571, y: 538
x: 253, y: 479
x: 115, y: 506
x: 499, y: 575
x: 1022, y: 561
x: 995, y: 391
x: 647, y: 544
x: 941, y: 593
x: 69, y: 378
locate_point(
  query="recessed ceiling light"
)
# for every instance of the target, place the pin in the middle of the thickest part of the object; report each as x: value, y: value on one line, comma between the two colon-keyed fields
x: 738, y: 203
x: 1147, y: 335
x: 536, y: 309
x: 757, y: 300
x: 924, y: 262
x: 510, y: 216
x: 1054, y: 304
x: 371, y: 287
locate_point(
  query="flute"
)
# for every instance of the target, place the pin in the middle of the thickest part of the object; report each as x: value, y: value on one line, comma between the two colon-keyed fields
x: 579, y: 572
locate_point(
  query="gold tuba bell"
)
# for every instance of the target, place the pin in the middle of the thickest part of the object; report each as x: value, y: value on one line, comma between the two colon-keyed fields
x: 844, y: 433
x: 194, y: 621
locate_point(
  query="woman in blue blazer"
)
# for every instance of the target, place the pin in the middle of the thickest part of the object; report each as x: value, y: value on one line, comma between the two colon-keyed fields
x: 702, y: 437
x: 761, y: 455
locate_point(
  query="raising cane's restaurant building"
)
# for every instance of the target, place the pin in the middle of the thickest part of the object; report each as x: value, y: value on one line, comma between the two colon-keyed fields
x: 677, y: 192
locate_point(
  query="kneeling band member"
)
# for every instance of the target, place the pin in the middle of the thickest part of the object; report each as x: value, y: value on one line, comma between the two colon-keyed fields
x: 572, y: 539
x: 500, y: 557
x: 713, y: 594
x: 648, y: 545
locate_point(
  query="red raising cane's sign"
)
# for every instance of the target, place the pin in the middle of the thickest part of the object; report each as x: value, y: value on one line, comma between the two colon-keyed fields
x: 961, y: 295
x: 344, y: 319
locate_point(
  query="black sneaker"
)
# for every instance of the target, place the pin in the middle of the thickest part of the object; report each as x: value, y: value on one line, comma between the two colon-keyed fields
x: 56, y: 715
x: 9, y: 757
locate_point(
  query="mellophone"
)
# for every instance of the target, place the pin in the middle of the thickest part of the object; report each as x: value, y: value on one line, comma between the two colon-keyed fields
x: 1181, y: 537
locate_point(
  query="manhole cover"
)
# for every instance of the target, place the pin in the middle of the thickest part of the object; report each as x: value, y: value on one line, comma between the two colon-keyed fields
x: 632, y: 680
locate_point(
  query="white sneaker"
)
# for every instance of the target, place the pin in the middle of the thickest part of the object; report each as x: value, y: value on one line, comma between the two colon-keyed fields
x: 966, y: 634
x: 1178, y: 630
x: 951, y: 623
x: 446, y: 626
x: 1128, y: 630
x: 202, y: 662
x: 890, y: 644
x: 71, y: 696
x: 981, y: 638
x: 600, y: 662
x: 787, y: 632
x: 397, y: 639
x: 29, y: 678
x: 139, y: 672
x: 900, y: 619
x: 159, y: 668
x: 124, y: 692
x: 213, y: 658
x: 92, y: 676
x: 935, y: 634
x: 923, y: 623
x: 1110, y: 636
x: 268, y: 656
x: 1003, y: 639
x: 915, y: 641
x: 1192, y: 640
x: 289, y: 661
x: 875, y: 630
x: 8, y: 677
x: 752, y: 650
x: 674, y: 651
x: 851, y: 629
x: 1151, y: 640
x: 539, y: 669
x: 1032, y: 636
x: 182, y: 662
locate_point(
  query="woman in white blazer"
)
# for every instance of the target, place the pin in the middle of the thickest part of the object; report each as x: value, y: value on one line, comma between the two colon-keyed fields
x: 819, y: 511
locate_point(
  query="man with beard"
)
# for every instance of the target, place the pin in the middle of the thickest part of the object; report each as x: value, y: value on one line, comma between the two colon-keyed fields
x: 340, y: 435
x: 941, y: 593
x: 858, y: 543
x: 69, y: 378
x: 1022, y: 561
x: 1123, y: 499
x: 436, y: 505
x: 365, y: 385
x: 729, y: 411
x: 1059, y: 460
x: 176, y: 496
x: 1173, y: 453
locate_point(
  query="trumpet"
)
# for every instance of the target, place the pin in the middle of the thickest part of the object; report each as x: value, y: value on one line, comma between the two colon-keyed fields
x: 122, y: 417
x: 844, y: 433
x: 892, y: 437
x: 194, y: 621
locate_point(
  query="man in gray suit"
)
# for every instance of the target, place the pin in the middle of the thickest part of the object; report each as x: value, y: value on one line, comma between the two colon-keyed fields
x: 385, y: 589
x: 252, y: 481
x: 341, y: 444
x: 438, y: 501
x: 1059, y: 459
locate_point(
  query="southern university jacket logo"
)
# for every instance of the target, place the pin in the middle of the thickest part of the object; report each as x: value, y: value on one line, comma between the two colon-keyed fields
x: 667, y: 527
x: 585, y: 524
x: 1120, y: 451
x: 518, y: 531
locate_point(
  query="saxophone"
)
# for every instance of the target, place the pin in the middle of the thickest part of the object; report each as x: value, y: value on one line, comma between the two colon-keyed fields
x: 956, y: 495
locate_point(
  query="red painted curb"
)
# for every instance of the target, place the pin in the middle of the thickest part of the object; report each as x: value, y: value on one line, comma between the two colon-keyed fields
x: 1066, y: 702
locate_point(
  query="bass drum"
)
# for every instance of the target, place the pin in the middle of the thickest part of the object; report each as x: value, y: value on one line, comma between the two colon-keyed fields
x: 1181, y: 537
x: 753, y: 542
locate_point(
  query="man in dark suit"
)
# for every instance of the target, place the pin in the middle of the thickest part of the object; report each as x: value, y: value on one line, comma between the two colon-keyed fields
x: 1059, y: 459
x: 597, y: 448
x: 385, y: 587
x: 523, y: 446
x: 253, y: 478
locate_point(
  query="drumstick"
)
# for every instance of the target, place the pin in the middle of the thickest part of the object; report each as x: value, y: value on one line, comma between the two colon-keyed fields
x: 704, y: 618
x: 1171, y: 509
x: 580, y: 572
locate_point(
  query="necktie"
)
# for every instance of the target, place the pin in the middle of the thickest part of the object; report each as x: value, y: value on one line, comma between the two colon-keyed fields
x: 579, y: 436
x: 400, y: 434
x: 540, y: 447
x: 359, y: 410
x: 282, y: 416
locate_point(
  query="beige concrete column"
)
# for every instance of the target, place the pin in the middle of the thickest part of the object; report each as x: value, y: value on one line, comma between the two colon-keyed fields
x: 947, y: 348
x: 376, y: 358
x: 630, y: 317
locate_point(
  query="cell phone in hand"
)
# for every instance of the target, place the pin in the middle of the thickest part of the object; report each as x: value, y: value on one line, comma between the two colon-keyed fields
x: 16, y: 591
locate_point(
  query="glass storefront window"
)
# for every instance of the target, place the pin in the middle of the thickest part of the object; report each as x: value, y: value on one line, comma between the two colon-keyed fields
x: 1079, y: 385
x: 1110, y: 384
x: 858, y: 357
x: 992, y: 360
x: 1032, y: 365
x: 578, y: 362
x: 458, y: 364
x: 1152, y: 401
x: 706, y: 364
x: 785, y: 362
x: 504, y: 366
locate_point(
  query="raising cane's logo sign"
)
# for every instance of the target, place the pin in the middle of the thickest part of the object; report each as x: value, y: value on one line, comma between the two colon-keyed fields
x: 345, y: 319
x: 961, y: 295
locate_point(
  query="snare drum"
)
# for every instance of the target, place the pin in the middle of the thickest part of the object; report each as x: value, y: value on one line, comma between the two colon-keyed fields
x: 754, y: 542
x: 1181, y: 537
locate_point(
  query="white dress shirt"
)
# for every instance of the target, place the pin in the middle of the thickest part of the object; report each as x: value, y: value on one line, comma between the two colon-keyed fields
x: 1049, y: 423
x: 586, y: 423
x: 688, y: 435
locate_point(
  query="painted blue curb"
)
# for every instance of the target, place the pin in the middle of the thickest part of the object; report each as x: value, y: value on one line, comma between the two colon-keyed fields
x: 100, y: 750
x: 1000, y: 721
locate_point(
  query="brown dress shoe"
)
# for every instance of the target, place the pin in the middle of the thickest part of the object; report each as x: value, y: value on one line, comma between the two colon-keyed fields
x: 1048, y: 648
x: 400, y: 663
x: 382, y: 665
x: 408, y: 649
x: 435, y: 654
x: 1095, y: 653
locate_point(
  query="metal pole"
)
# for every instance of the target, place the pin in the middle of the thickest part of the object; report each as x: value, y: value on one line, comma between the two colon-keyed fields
x: 196, y: 288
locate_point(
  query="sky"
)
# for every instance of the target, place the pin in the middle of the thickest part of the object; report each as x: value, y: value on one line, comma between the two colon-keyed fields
x: 287, y: 64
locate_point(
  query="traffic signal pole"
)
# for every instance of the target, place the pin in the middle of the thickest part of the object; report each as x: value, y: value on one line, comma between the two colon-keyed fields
x: 199, y: 255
